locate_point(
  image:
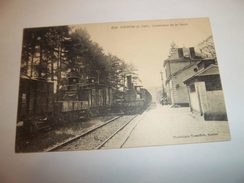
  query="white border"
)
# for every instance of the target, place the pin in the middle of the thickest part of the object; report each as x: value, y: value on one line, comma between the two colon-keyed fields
x: 221, y: 162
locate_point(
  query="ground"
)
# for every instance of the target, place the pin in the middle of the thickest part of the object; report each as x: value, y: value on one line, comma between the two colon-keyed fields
x: 44, y: 140
x: 158, y: 125
x: 162, y: 125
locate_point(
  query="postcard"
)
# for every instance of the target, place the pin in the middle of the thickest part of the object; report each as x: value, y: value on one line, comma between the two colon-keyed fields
x: 119, y: 85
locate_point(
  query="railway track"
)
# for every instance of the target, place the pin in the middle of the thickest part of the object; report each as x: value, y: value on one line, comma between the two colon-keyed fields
x: 116, y: 132
x: 95, y: 138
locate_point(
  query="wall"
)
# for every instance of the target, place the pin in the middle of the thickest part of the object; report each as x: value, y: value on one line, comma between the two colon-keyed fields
x: 174, y: 65
x: 216, y: 106
x: 167, y: 90
x: 177, y: 65
x: 209, y: 103
x: 180, y: 93
x: 194, y: 102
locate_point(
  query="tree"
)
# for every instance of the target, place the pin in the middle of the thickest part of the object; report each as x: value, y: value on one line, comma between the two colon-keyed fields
x: 173, y: 51
x: 44, y: 53
x: 207, y: 48
x: 51, y: 53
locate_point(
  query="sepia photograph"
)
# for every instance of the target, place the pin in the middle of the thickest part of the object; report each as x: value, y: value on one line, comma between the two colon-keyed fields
x: 119, y: 85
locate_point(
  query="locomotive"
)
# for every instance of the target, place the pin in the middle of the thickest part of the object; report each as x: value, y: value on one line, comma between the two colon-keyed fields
x: 134, y: 99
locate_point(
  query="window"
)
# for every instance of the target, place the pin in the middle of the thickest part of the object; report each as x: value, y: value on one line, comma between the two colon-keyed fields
x: 213, y: 84
x: 192, y: 88
x: 23, y: 97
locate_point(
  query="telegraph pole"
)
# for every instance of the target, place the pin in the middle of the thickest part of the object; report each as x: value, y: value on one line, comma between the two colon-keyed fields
x: 162, y: 79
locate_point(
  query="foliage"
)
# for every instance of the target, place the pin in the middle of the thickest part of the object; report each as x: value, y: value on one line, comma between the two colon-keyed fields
x: 207, y: 48
x: 52, y: 53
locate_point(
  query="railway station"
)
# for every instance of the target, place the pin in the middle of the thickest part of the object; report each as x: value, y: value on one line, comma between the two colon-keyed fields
x: 75, y: 94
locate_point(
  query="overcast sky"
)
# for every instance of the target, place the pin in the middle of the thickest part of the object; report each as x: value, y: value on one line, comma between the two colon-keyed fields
x: 146, y: 43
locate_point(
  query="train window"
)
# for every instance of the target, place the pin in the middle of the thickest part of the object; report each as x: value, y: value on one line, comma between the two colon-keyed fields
x: 93, y: 92
x: 84, y: 95
x: 23, y: 101
x: 23, y: 98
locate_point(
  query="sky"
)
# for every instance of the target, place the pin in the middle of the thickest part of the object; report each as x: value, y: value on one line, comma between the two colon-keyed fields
x: 146, y: 44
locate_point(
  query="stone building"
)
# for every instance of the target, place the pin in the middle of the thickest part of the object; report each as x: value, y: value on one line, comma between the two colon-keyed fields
x: 205, y: 92
x: 179, y: 66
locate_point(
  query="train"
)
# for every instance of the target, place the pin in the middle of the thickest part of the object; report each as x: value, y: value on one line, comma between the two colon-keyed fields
x: 133, y: 99
x: 39, y: 107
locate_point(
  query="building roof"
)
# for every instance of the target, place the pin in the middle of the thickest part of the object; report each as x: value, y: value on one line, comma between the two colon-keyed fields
x: 208, y: 71
x: 35, y: 79
x: 182, y: 70
x: 185, y: 68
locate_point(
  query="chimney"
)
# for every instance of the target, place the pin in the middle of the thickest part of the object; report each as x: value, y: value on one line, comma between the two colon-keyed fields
x: 180, y: 53
x: 129, y: 83
x: 192, y: 53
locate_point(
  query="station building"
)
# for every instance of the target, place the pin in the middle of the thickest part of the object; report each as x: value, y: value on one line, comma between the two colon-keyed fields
x: 179, y: 66
x: 205, y: 92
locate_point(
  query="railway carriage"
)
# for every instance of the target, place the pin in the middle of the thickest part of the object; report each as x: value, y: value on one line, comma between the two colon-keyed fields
x: 83, y: 100
x: 35, y: 105
x: 39, y: 108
